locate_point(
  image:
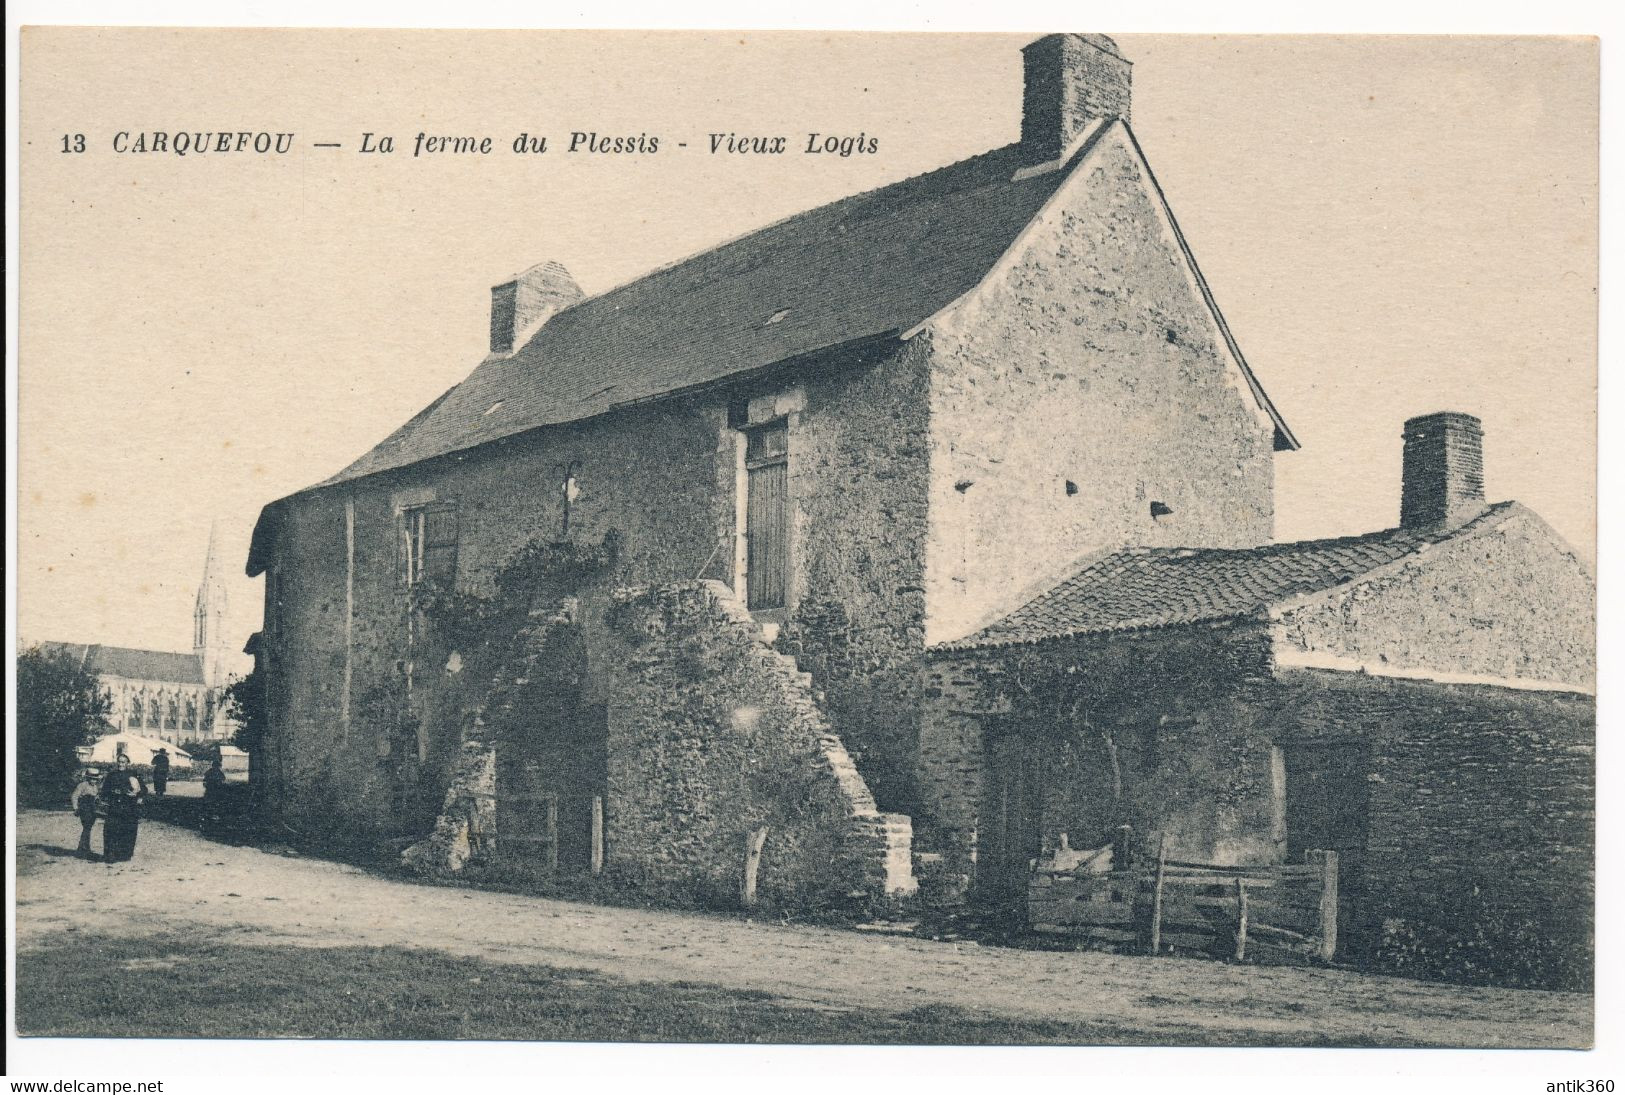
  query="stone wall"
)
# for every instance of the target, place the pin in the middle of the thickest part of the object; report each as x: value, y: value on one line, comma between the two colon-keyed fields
x: 665, y: 477
x: 858, y: 462
x: 1481, y: 806
x: 1507, y: 599
x: 1085, y: 380
x: 1148, y: 729
x: 1466, y: 812
x: 712, y: 735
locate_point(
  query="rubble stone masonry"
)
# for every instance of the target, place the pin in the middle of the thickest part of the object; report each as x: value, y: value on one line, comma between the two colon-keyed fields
x: 713, y: 735
x: 1085, y: 381
x: 1510, y: 601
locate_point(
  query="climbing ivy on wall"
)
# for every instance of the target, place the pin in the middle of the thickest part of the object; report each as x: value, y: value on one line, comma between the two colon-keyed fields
x: 484, y: 627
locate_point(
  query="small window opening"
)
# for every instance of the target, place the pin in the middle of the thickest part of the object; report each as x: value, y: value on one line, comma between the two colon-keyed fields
x: 777, y: 317
x: 964, y: 485
x: 1071, y: 488
x: 494, y: 407
x: 1159, y: 511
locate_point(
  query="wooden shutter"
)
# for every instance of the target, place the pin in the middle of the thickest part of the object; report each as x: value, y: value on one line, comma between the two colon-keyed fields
x: 440, y: 545
x: 767, y: 517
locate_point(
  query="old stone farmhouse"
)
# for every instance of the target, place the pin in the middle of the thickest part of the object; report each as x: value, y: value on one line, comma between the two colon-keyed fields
x: 914, y: 531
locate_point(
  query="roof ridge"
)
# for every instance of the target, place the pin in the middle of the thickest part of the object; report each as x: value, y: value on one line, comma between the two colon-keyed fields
x: 741, y: 237
x: 1142, y: 586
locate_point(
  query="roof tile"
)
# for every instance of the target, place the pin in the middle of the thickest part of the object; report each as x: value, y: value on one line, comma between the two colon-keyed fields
x: 1164, y: 587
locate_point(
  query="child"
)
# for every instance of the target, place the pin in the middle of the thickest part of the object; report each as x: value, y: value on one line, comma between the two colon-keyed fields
x: 83, y: 802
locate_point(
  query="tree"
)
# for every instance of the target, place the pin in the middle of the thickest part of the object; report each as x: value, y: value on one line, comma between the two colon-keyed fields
x: 245, y: 703
x: 60, y: 707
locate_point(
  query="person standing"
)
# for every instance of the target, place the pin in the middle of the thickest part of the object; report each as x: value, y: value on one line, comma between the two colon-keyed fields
x: 160, y: 772
x: 214, y: 783
x: 123, y: 792
x: 83, y: 803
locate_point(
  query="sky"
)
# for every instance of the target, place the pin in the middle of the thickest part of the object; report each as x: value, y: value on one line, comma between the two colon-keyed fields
x: 1391, y: 226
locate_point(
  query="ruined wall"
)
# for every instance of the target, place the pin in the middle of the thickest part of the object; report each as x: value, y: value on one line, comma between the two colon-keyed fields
x: 1090, y: 360
x: 651, y: 474
x: 665, y: 477
x: 712, y: 734
x: 1510, y: 600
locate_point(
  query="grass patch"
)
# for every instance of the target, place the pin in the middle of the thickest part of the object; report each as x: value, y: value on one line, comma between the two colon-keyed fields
x: 168, y: 986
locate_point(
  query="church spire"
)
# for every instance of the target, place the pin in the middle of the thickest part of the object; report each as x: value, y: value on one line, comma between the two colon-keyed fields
x: 209, y: 615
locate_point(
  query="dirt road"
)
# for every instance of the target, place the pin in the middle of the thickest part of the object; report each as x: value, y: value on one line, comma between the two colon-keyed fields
x: 181, y: 882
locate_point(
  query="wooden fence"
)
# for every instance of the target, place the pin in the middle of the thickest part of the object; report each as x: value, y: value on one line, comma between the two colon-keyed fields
x: 1172, y: 905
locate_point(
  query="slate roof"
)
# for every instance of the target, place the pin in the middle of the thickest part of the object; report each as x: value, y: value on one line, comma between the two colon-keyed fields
x: 1138, y: 588
x: 124, y: 661
x: 872, y: 264
x: 867, y: 267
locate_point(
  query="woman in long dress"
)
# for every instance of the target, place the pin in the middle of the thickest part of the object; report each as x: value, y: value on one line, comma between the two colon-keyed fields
x: 123, y: 792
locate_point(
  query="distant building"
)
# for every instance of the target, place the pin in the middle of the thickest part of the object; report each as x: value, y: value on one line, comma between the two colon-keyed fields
x: 168, y: 694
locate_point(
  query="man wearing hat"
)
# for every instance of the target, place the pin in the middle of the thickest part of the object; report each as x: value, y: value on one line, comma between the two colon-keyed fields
x: 83, y: 802
x: 160, y: 771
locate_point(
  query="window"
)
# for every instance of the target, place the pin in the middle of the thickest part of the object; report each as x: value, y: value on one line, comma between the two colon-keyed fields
x: 135, y: 712
x: 153, y: 718
x: 431, y: 545
x: 767, y: 517
x: 191, y: 713
x: 172, y: 715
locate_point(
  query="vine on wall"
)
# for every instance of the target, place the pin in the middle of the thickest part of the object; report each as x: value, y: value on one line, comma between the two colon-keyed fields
x: 484, y: 629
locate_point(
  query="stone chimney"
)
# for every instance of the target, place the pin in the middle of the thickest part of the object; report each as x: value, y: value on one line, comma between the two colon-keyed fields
x: 1070, y: 80
x: 1443, y: 476
x: 528, y: 301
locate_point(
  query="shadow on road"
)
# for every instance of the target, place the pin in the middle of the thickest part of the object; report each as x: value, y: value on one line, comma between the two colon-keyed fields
x: 58, y: 851
x: 226, y: 818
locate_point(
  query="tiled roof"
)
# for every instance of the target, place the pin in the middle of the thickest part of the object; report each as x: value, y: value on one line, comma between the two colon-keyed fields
x: 1163, y: 587
x: 873, y: 264
x: 123, y: 661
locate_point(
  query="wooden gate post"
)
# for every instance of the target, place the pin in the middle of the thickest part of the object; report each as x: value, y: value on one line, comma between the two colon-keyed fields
x: 1327, y: 862
x: 1241, y: 920
x: 753, y: 860
x: 551, y: 830
x: 598, y: 834
x: 1156, y: 896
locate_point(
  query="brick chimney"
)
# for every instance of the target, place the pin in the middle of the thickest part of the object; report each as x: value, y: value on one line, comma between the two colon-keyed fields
x: 528, y: 301
x: 1070, y: 80
x: 1443, y: 476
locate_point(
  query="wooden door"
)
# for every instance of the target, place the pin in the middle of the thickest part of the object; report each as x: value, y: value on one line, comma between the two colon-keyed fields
x: 546, y: 784
x: 767, y: 517
x: 1326, y: 806
x: 1012, y: 819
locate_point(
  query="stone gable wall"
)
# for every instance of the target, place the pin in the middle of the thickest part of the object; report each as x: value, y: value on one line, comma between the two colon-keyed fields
x: 1510, y: 601
x: 1091, y: 361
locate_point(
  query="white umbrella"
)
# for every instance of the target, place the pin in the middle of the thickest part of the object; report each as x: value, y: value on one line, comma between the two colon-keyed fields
x: 138, y: 747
